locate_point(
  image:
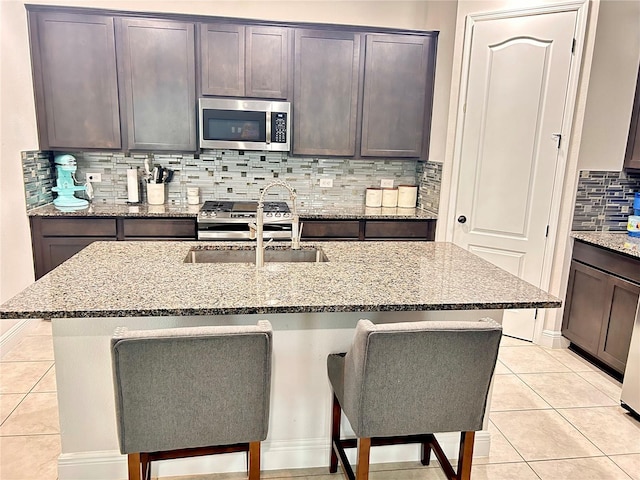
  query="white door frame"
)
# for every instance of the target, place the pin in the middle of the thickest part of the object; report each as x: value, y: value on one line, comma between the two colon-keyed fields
x: 581, y: 8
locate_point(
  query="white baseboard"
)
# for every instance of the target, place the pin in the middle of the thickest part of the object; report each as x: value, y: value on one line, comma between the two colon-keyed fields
x: 111, y: 465
x: 16, y: 333
x: 553, y: 339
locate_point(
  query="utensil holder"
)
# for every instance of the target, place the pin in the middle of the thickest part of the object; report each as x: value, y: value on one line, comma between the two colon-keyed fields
x: 155, y: 193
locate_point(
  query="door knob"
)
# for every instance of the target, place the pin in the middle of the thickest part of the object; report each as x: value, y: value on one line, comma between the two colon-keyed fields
x: 462, y: 219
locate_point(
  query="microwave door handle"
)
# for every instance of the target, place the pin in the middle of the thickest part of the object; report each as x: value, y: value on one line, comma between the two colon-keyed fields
x: 268, y: 127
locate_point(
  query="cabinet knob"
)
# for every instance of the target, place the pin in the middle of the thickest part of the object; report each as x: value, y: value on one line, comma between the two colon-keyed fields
x: 462, y: 219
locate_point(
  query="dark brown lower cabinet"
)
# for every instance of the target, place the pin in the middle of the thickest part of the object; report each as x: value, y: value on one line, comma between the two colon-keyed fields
x: 158, y: 229
x: 366, y: 229
x: 600, y: 308
x: 56, y: 239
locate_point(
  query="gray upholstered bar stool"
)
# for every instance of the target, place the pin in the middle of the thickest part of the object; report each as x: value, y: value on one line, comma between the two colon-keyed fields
x: 403, y: 382
x: 186, y: 392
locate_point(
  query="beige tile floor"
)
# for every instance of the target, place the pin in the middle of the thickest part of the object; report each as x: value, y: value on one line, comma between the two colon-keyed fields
x: 554, y: 416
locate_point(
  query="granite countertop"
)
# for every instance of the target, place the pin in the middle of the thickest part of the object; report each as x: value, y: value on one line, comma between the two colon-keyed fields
x: 118, y: 279
x: 618, y: 242
x: 144, y: 210
x: 97, y: 210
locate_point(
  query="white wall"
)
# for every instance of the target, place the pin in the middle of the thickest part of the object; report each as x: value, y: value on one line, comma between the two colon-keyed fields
x: 18, y: 127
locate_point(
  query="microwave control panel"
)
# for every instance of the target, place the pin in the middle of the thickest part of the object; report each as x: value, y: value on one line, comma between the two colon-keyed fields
x: 279, y: 127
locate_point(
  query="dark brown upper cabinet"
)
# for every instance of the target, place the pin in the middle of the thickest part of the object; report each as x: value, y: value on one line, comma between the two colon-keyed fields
x: 75, y: 80
x: 244, y: 61
x: 326, y: 86
x: 157, y: 83
x: 398, y: 91
x: 632, y: 154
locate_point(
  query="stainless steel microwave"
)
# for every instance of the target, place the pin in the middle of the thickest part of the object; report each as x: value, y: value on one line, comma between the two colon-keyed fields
x: 244, y: 124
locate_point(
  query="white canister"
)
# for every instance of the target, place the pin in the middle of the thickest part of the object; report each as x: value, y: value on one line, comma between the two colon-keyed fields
x: 389, y: 197
x: 373, y: 197
x: 407, y: 196
x: 193, y: 196
x: 155, y: 193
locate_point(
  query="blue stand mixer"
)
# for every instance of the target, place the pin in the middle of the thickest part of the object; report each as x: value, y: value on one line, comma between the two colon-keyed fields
x: 66, y: 184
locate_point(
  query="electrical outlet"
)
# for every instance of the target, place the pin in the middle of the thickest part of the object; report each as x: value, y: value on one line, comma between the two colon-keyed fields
x: 93, y: 177
x: 326, y: 182
x: 386, y: 183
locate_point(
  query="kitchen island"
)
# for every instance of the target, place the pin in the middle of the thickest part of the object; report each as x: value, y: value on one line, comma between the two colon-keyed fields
x: 313, y: 308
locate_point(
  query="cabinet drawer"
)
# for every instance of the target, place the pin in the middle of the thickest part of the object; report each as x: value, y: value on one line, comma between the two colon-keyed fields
x: 610, y: 262
x: 331, y: 229
x: 159, y: 228
x: 78, y: 227
x: 398, y: 229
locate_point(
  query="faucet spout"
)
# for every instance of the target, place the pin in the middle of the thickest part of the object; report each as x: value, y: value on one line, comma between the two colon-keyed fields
x: 259, y: 225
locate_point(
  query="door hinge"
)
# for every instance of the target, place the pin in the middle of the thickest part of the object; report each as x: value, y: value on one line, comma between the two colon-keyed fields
x: 558, y: 138
x: 546, y: 234
x: 573, y: 46
x: 535, y: 317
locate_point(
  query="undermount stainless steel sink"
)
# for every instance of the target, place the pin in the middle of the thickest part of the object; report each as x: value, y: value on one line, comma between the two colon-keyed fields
x: 248, y: 255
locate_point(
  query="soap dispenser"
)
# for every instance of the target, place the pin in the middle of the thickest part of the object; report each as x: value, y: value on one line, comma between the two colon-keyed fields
x: 633, y: 224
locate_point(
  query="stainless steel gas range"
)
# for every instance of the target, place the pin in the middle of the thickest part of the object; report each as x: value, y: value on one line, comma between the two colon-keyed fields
x: 229, y: 220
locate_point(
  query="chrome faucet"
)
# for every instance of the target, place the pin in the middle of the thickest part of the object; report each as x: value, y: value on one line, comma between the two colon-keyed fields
x: 258, y: 227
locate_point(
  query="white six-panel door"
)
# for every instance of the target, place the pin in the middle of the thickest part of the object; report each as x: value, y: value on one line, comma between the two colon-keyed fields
x: 518, y: 76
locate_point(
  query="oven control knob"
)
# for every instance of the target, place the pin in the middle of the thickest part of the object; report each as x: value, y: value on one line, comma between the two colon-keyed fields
x: 268, y: 214
x: 278, y: 214
x: 213, y: 214
x: 287, y: 215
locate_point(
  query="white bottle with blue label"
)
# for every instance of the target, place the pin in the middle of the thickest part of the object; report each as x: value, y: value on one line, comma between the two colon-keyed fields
x: 633, y: 224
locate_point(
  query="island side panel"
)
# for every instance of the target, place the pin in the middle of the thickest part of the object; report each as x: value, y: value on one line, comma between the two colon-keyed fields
x: 300, y: 398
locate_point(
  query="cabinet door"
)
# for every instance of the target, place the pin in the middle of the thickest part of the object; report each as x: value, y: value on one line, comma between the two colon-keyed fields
x: 57, y: 250
x: 398, y: 76
x: 222, y: 59
x: 585, y: 305
x: 158, y: 79
x: 75, y: 80
x: 617, y: 325
x: 330, y: 229
x: 326, y: 75
x: 399, y: 230
x: 267, y: 62
x: 632, y: 154
x: 159, y: 228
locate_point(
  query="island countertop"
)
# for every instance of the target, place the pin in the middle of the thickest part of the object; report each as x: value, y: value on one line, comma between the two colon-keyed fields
x: 137, y: 279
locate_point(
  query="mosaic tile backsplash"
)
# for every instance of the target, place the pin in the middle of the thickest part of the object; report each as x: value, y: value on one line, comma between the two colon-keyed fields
x: 235, y: 175
x: 39, y: 178
x: 604, y: 200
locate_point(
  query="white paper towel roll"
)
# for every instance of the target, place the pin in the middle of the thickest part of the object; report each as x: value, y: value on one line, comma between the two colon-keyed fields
x: 133, y: 191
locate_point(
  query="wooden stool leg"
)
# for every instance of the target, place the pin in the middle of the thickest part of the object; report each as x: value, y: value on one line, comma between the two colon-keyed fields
x: 425, y: 455
x: 146, y: 466
x: 362, y: 467
x: 254, y: 461
x: 335, y: 434
x: 134, y: 464
x: 466, y: 455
